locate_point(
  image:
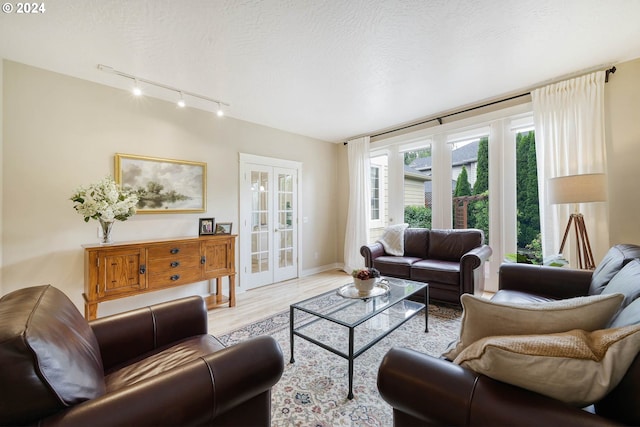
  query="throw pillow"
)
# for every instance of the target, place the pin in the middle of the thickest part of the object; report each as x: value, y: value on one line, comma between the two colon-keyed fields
x: 482, y: 318
x: 576, y: 367
x: 393, y: 239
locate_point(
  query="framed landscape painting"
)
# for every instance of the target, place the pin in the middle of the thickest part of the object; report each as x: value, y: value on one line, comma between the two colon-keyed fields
x: 163, y: 185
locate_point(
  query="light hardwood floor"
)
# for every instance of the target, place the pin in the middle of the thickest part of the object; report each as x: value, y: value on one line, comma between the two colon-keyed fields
x: 260, y: 303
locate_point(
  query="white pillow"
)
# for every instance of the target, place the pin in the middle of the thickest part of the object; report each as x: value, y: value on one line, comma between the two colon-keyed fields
x: 576, y: 367
x: 393, y: 239
x: 482, y: 318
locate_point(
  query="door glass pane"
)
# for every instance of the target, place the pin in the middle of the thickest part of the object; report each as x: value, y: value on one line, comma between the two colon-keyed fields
x: 375, y: 192
x: 417, y: 187
x: 529, y: 246
x: 285, y: 219
x: 259, y: 221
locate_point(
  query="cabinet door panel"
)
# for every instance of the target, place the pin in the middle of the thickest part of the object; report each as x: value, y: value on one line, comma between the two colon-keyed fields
x: 120, y: 272
x: 219, y: 258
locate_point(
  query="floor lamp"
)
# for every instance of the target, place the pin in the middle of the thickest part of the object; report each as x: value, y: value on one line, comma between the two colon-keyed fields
x: 578, y: 189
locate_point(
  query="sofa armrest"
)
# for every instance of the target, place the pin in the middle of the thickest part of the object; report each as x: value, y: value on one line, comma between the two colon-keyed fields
x: 371, y: 252
x: 193, y: 394
x: 471, y: 273
x: 554, y: 282
x: 412, y: 383
x: 127, y: 335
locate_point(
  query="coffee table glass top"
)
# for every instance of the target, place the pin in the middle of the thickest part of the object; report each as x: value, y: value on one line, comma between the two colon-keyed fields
x: 352, y: 312
x: 350, y: 326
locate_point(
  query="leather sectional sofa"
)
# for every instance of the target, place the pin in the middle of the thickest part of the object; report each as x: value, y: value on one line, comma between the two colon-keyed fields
x: 451, y: 261
x: 155, y: 366
x: 425, y: 390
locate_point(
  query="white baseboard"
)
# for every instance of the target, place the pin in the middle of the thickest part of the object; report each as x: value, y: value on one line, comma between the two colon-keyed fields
x: 322, y: 268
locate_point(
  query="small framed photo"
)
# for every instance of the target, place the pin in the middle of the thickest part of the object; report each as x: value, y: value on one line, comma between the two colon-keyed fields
x: 207, y: 226
x: 223, y: 228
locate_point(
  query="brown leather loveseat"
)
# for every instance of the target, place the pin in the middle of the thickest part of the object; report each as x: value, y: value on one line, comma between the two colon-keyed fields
x: 451, y: 261
x: 425, y: 390
x: 153, y: 366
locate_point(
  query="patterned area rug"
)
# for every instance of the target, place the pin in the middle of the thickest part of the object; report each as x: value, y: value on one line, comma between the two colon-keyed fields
x: 313, y: 390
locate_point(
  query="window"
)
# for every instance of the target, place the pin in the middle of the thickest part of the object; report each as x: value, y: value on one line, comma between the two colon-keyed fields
x: 417, y: 187
x: 529, y: 245
x: 469, y: 179
x: 379, y: 202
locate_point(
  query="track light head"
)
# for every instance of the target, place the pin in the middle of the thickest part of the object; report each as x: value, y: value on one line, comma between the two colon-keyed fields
x: 220, y: 113
x: 181, y: 102
x: 136, y: 88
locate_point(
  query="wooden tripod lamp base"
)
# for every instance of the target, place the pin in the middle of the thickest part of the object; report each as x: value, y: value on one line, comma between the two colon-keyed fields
x: 582, y: 241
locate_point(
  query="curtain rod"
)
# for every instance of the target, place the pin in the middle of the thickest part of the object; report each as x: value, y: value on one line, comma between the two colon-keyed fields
x: 439, y: 118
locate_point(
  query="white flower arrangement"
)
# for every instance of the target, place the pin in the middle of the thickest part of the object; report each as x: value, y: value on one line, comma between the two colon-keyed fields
x: 105, y: 201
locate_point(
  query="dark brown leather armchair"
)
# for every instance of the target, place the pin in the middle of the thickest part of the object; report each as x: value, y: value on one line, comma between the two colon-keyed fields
x: 153, y: 366
x: 425, y: 390
x: 451, y: 261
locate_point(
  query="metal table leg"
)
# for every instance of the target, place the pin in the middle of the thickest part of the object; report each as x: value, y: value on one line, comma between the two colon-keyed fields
x: 351, y: 333
x: 291, y: 333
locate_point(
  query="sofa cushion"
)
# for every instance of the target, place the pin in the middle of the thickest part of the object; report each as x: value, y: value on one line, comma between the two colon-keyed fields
x: 392, y: 239
x: 151, y: 364
x: 433, y: 270
x: 627, y: 283
x: 630, y: 315
x: 50, y: 356
x: 576, y: 367
x: 395, y: 266
x: 483, y: 318
x: 450, y: 245
x: 511, y: 296
x: 615, y: 258
x: 416, y: 242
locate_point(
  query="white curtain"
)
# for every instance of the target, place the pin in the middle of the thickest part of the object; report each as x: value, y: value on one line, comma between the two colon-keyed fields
x: 357, y: 231
x: 570, y: 140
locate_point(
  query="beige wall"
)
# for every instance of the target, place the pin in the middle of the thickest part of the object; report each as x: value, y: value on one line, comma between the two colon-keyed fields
x: 622, y: 106
x: 61, y: 132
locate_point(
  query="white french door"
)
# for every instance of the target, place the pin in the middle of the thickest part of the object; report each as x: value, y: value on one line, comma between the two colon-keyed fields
x: 268, y: 220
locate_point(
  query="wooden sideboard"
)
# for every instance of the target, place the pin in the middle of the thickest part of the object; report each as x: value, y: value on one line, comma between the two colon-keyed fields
x: 124, y: 269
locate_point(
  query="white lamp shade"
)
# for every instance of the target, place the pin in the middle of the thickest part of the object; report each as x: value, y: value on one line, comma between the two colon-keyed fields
x: 577, y: 189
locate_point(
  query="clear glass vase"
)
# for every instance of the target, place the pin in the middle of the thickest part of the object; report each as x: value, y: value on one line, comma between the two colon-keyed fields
x: 106, y: 231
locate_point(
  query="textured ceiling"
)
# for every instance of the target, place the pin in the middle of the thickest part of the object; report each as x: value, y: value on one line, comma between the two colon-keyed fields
x: 328, y: 69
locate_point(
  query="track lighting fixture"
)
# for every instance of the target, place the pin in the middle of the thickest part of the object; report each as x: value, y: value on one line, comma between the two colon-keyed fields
x: 181, y: 93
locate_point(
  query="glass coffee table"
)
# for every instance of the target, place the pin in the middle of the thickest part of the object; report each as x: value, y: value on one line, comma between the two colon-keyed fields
x: 327, y: 319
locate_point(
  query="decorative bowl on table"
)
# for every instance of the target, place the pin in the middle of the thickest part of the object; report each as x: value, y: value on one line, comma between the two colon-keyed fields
x: 364, y: 286
x: 364, y: 279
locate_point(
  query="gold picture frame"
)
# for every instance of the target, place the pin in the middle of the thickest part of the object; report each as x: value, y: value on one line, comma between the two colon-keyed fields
x: 163, y: 185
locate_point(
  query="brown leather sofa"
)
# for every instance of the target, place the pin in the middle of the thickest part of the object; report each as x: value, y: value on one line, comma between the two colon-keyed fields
x: 155, y: 366
x: 451, y: 261
x: 425, y: 390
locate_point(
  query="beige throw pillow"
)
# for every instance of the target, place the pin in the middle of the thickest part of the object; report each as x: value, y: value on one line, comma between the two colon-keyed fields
x: 576, y: 367
x: 393, y: 239
x: 482, y: 318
